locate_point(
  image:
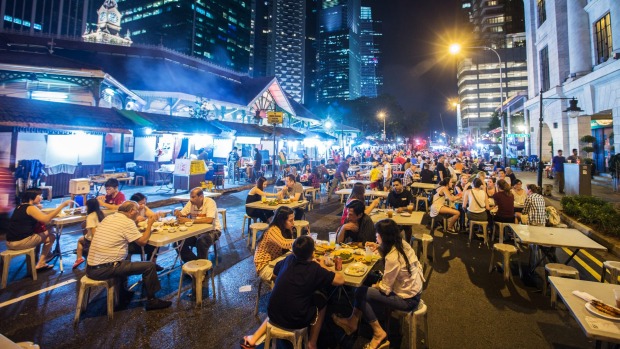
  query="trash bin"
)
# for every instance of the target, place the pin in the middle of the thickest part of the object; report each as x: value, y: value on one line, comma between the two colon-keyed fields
x: 577, y: 179
x: 513, y: 162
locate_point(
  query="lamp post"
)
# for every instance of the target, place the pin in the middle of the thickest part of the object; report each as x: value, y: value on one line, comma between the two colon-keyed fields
x: 573, y: 111
x: 383, y: 116
x: 456, y: 48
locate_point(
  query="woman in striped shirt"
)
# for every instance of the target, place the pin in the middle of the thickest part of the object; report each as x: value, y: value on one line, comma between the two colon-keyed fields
x: 275, y: 240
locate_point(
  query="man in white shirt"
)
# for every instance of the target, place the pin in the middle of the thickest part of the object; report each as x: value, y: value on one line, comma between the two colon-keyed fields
x: 108, y: 252
x: 295, y: 192
x: 199, y: 210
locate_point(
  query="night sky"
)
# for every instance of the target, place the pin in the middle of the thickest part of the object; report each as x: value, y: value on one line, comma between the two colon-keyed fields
x: 414, y: 60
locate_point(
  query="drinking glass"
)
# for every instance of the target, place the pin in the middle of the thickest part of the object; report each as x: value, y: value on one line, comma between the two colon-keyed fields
x: 264, y: 199
x: 332, y: 239
x: 390, y: 213
x: 368, y: 254
x: 617, y: 296
x: 410, y: 208
x: 314, y: 236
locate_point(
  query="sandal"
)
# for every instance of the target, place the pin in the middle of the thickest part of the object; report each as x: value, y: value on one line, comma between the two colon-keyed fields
x: 340, y: 322
x: 243, y: 343
x: 45, y: 267
x: 385, y: 344
x: 78, y: 262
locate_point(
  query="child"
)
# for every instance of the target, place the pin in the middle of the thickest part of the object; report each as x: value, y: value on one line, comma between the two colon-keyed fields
x: 92, y: 221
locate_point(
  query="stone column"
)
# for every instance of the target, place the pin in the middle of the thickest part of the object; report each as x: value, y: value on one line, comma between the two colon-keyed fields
x: 59, y: 24
x: 579, y: 38
x: 33, y: 13
x: 614, y: 13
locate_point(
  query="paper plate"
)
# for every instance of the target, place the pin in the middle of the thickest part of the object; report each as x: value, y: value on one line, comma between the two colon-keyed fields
x: 356, y: 269
x: 405, y: 214
x: 595, y: 311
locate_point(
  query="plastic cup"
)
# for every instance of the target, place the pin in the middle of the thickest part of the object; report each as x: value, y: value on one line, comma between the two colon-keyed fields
x: 390, y: 213
x: 263, y: 199
x: 314, y: 236
x: 410, y: 208
x: 368, y: 254
x: 332, y: 239
x: 617, y: 296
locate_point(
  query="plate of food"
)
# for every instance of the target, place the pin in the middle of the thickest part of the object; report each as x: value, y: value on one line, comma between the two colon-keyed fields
x: 603, y: 310
x: 356, y: 269
x: 405, y: 214
x: 344, y: 253
x: 322, y: 249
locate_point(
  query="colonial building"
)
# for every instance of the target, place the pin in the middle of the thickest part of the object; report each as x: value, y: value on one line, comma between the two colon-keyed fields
x: 573, y: 49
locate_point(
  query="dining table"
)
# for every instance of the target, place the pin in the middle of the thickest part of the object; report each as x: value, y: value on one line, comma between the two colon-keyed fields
x: 161, y: 237
x: 266, y: 206
x: 367, y: 193
x: 403, y: 218
x: 595, y: 326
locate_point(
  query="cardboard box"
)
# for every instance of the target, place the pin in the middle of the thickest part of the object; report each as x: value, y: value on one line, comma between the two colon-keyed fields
x: 187, y: 167
x: 79, y: 186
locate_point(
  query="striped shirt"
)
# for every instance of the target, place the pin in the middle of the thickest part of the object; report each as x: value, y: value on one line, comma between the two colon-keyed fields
x: 113, y: 236
x: 207, y: 210
x: 270, y: 247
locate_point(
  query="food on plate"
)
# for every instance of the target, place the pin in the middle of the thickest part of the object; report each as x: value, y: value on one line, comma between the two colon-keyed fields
x: 346, y: 254
x: 605, y: 308
x: 356, y: 269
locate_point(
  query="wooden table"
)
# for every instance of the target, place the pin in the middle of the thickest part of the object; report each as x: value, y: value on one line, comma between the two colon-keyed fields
x: 576, y: 306
x: 368, y: 193
x: 554, y: 237
x: 414, y: 219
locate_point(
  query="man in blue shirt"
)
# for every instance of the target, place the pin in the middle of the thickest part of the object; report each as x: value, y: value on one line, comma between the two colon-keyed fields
x: 340, y: 175
x: 557, y: 164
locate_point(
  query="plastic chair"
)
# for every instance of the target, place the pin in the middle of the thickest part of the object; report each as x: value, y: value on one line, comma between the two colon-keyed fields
x: 614, y: 271
x: 86, y: 284
x: 197, y: 269
x: 8, y: 255
x: 506, y: 251
x: 560, y: 270
x: 426, y: 240
x: 255, y: 228
x: 251, y: 220
x: 222, y: 211
x: 410, y: 323
x: 297, y: 337
x: 300, y: 225
x: 481, y: 224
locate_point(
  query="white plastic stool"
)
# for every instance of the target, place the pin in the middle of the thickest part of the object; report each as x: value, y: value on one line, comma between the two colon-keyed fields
x: 500, y: 226
x: 222, y: 211
x: 560, y: 270
x: 422, y: 198
x: 299, y: 225
x: 86, y: 284
x: 251, y: 220
x: 614, y: 271
x: 481, y: 224
x: 426, y: 239
x: 255, y: 228
x: 506, y: 251
x: 197, y: 269
x: 410, y: 323
x: 8, y: 255
x: 297, y: 337
x: 259, y: 285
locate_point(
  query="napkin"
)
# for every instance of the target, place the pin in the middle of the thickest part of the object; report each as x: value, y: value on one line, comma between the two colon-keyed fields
x: 585, y: 296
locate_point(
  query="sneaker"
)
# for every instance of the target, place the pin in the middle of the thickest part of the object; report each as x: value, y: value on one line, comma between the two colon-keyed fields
x: 156, y: 303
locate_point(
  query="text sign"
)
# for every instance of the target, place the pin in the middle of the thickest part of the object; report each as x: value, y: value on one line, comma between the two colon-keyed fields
x: 275, y: 117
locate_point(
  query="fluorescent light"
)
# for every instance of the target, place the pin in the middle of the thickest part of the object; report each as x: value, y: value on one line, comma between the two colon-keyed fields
x: 49, y: 95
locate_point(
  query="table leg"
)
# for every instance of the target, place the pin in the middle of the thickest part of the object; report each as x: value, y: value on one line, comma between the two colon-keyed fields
x: 57, y: 251
x: 571, y: 256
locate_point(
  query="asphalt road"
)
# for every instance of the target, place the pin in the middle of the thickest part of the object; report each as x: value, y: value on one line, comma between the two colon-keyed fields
x: 467, y: 306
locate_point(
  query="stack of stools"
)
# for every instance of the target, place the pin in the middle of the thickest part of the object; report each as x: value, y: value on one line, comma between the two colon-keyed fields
x: 86, y: 284
x: 482, y: 225
x: 255, y: 228
x: 614, y: 271
x: 298, y: 337
x: 506, y: 251
x: 559, y: 270
x: 8, y: 255
x: 410, y: 323
x: 426, y: 239
x: 197, y: 269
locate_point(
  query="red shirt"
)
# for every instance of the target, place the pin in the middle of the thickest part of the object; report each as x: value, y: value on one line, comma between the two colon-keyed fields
x: 116, y: 200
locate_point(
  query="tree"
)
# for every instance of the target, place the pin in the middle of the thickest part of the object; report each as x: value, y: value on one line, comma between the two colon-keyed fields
x: 494, y: 122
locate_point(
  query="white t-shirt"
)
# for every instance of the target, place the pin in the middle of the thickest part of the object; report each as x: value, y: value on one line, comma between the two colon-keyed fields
x: 113, y: 236
x: 208, y: 210
x: 92, y: 221
x: 472, y: 204
x: 387, y: 171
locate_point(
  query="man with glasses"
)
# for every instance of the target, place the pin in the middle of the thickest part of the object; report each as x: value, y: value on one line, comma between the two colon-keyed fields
x: 108, y: 253
x: 199, y: 210
x: 113, y: 197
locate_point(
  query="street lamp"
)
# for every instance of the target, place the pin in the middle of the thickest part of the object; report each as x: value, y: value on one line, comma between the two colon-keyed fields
x: 573, y: 111
x: 456, y: 48
x: 383, y: 116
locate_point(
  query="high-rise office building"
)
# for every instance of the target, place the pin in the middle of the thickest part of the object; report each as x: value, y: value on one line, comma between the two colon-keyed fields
x: 215, y: 30
x: 499, y: 25
x: 311, y: 70
x: 369, y: 52
x: 339, y: 51
x: 49, y: 17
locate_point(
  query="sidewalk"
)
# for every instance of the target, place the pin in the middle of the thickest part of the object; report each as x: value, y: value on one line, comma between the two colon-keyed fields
x: 601, y: 188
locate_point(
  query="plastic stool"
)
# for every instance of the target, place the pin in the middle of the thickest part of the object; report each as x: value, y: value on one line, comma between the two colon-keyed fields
x: 421, y: 198
x: 8, y: 255
x: 255, y: 228
x: 197, y: 269
x: 560, y: 270
x: 300, y: 225
x: 500, y: 226
x: 614, y: 271
x: 140, y: 179
x: 445, y: 223
x: 245, y: 217
x: 481, y: 224
x: 259, y: 285
x: 410, y: 323
x: 222, y: 211
x: 426, y: 239
x: 506, y: 251
x: 297, y: 337
x: 86, y: 284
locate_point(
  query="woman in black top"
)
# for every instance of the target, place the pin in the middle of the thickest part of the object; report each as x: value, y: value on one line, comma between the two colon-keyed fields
x: 27, y: 226
x: 256, y: 194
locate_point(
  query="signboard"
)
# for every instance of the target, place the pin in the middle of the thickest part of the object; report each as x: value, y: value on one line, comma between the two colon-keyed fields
x: 518, y: 135
x: 275, y: 117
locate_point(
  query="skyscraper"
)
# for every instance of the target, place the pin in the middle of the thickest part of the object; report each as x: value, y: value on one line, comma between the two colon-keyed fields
x: 369, y: 53
x: 339, y: 51
x: 50, y: 17
x: 215, y: 30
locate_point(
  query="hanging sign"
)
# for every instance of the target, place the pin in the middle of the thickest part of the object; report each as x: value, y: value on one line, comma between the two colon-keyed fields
x: 275, y: 117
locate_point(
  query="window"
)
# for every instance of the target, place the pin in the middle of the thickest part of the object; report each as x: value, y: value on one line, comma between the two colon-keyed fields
x: 542, y: 12
x: 544, y: 69
x: 603, y: 39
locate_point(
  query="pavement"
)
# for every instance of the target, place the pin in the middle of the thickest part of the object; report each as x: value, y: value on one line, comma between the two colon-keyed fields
x: 468, y: 307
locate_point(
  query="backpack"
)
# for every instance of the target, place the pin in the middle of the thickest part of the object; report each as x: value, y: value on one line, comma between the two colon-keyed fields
x: 553, y: 217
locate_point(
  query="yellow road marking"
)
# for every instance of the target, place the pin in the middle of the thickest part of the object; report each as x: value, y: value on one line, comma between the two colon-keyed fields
x: 583, y: 264
x: 594, y: 259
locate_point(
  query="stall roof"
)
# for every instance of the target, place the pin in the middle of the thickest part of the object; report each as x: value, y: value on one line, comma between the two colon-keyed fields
x: 20, y: 112
x: 172, y: 124
x: 285, y: 132
x: 241, y: 129
x: 321, y: 135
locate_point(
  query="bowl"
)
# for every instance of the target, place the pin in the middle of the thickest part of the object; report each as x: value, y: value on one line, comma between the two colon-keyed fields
x: 172, y: 229
x: 189, y: 224
x: 182, y: 228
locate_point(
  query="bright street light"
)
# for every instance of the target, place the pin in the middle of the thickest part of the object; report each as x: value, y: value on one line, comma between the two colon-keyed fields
x: 455, y: 49
x: 383, y: 116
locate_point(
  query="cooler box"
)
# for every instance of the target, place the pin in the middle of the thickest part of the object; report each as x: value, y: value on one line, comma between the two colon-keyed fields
x: 187, y: 167
x: 79, y: 186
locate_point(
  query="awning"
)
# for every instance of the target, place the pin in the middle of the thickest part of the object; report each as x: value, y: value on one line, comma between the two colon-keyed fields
x: 320, y: 135
x: 172, y: 124
x: 241, y: 129
x: 284, y: 132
